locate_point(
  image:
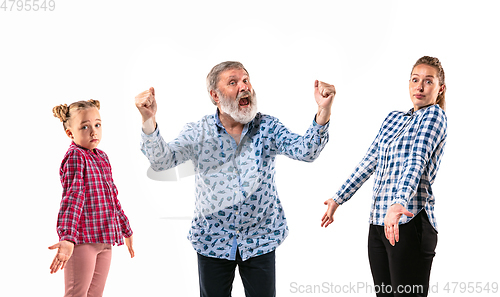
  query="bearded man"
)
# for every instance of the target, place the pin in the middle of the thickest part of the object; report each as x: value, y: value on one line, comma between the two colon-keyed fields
x: 238, y: 219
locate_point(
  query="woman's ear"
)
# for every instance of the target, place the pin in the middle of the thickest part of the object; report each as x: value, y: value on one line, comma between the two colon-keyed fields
x: 442, y: 88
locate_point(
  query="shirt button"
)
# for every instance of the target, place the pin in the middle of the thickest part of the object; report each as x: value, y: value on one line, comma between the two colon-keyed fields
x: 237, y: 232
x: 237, y: 213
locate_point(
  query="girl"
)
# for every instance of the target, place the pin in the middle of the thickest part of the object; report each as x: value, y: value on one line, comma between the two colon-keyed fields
x: 405, y: 158
x: 90, y: 219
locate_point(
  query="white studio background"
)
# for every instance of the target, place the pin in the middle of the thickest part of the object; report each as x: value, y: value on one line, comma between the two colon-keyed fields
x: 112, y: 50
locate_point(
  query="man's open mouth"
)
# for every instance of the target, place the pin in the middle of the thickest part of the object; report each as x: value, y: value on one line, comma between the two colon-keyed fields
x: 244, y: 100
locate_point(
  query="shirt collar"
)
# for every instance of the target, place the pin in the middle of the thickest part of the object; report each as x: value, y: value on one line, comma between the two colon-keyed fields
x: 96, y: 151
x: 217, y: 119
x: 412, y: 112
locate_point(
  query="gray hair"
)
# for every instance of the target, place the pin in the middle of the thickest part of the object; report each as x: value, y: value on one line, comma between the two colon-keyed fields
x: 213, y: 75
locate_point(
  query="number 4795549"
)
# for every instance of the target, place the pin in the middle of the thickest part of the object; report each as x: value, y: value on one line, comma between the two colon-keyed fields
x: 28, y: 5
x: 471, y: 287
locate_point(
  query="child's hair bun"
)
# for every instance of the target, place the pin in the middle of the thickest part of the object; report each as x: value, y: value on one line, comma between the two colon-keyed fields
x: 61, y: 112
x: 96, y: 103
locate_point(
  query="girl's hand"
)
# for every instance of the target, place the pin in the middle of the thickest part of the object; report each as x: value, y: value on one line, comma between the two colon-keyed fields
x: 64, y: 252
x: 129, y: 241
x: 327, y: 218
x: 391, y: 222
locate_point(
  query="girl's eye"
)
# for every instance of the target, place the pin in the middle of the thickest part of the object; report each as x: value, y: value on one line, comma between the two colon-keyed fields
x: 429, y: 81
x: 98, y: 125
x: 85, y: 128
x: 414, y: 80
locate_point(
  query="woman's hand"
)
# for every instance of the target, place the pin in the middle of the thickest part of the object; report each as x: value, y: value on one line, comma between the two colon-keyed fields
x: 391, y: 222
x: 327, y: 218
x: 129, y: 241
x: 64, y: 252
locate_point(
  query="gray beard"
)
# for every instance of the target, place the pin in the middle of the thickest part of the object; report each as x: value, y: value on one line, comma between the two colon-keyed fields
x: 232, y: 108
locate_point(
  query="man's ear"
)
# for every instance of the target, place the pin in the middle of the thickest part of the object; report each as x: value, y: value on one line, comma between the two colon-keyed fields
x: 214, y: 96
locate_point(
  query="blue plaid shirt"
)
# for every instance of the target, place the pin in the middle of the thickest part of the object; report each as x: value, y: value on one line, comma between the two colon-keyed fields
x: 237, y: 205
x: 405, y: 158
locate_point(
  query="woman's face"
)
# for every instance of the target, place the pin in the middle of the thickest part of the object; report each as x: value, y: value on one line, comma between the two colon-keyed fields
x: 424, y: 86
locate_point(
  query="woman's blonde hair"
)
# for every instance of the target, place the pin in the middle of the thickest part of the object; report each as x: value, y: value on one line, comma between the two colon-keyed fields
x: 64, y: 112
x: 434, y: 62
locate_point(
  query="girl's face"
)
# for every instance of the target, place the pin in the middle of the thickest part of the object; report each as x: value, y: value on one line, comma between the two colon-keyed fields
x: 424, y: 86
x: 85, y: 128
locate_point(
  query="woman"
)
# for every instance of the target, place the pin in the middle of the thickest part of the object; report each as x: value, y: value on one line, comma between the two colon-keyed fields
x: 405, y: 157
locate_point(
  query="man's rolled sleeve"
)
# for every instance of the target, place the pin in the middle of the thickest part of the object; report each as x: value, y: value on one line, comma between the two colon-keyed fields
x: 163, y: 155
x: 304, y: 148
x: 322, y: 131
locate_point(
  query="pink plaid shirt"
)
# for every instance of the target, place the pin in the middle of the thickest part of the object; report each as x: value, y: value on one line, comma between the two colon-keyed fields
x: 90, y: 211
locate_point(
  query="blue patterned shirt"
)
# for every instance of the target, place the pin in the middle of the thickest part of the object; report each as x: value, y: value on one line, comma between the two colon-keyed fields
x: 405, y: 158
x: 237, y: 204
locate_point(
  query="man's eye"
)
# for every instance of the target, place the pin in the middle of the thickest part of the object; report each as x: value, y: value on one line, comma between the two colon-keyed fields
x: 85, y: 128
x: 98, y: 125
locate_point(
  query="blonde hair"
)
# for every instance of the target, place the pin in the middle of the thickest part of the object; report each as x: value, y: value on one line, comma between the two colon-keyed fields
x: 64, y: 112
x: 434, y: 62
